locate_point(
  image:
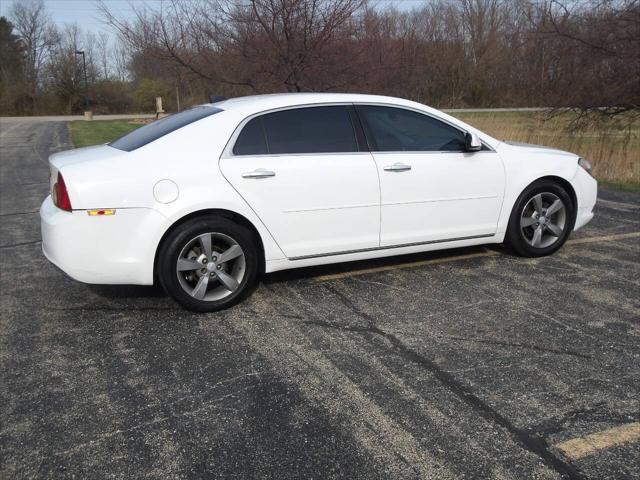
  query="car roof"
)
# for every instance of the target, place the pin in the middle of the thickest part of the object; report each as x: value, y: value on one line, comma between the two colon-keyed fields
x: 242, y: 107
x: 258, y: 103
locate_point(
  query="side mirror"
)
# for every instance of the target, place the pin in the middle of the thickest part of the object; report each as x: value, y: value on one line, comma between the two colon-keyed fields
x: 473, y: 143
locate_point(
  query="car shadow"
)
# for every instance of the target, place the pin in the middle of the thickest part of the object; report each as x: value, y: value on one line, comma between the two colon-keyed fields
x: 397, y: 261
x: 128, y: 291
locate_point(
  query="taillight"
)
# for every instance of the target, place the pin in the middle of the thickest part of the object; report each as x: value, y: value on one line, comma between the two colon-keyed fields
x: 60, y: 194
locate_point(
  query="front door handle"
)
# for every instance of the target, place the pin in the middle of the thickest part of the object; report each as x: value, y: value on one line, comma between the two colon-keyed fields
x: 259, y: 173
x: 397, y: 167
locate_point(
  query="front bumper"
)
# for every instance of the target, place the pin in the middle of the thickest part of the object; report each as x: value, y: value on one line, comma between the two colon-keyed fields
x: 586, y: 188
x: 117, y: 249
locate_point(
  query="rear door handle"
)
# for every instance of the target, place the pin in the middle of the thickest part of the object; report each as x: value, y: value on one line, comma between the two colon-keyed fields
x: 259, y: 173
x: 397, y: 167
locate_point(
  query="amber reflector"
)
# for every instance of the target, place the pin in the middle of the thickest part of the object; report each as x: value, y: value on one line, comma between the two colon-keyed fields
x: 101, y: 212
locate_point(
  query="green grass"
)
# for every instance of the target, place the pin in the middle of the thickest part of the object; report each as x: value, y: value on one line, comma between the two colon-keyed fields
x: 623, y: 187
x: 84, y: 134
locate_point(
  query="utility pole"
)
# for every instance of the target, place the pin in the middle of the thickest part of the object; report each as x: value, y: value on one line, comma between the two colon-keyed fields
x: 86, y: 86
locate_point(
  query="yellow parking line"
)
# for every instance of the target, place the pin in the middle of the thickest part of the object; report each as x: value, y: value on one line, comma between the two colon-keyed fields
x: 486, y: 253
x: 581, y: 447
x: 604, y: 238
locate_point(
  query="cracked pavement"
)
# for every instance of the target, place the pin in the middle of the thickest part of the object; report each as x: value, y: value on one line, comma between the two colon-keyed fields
x: 464, y: 368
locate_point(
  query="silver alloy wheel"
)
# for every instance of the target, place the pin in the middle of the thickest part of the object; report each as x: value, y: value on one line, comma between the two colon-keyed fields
x: 211, y: 266
x: 543, y: 220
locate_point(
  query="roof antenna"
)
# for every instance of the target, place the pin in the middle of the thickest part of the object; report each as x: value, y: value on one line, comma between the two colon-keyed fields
x: 216, y: 98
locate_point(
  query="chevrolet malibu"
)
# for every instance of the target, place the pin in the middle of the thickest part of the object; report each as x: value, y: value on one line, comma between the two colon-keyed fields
x: 206, y: 200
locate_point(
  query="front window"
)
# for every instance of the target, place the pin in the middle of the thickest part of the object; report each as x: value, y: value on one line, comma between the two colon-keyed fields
x: 398, y: 130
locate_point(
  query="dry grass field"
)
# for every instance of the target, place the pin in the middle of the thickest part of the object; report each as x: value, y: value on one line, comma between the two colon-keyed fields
x: 612, y: 147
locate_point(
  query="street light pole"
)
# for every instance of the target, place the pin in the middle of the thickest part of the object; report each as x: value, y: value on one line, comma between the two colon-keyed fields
x: 86, y: 87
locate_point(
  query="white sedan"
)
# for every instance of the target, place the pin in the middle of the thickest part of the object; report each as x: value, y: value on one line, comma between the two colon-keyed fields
x: 206, y: 200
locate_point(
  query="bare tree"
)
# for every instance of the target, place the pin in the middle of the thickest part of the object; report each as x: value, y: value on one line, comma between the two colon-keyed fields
x: 599, y: 43
x: 451, y: 53
x: 104, y: 48
x: 65, y: 70
x: 300, y: 37
x: 273, y: 44
x: 88, y: 43
x: 38, y: 34
x: 119, y: 58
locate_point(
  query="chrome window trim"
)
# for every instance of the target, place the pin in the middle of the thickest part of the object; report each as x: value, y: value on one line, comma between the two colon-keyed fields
x: 268, y: 155
x: 227, y: 152
x: 428, y: 152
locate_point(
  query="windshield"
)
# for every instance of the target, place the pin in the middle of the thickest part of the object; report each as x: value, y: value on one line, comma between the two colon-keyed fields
x: 151, y: 132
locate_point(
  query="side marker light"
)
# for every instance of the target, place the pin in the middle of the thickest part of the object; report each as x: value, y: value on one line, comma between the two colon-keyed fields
x: 101, y: 212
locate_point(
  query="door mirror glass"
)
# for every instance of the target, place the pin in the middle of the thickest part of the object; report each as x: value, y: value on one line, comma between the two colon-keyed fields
x: 473, y: 143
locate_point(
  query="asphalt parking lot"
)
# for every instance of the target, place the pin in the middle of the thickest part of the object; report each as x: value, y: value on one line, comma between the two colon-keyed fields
x: 464, y: 364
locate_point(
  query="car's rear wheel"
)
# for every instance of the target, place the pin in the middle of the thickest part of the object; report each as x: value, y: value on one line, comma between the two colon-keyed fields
x: 208, y: 263
x: 541, y: 220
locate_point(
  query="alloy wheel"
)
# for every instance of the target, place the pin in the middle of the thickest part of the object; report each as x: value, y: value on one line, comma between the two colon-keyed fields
x: 211, y: 266
x: 543, y: 220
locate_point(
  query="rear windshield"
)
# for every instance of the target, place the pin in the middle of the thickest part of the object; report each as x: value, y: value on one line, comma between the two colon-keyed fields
x: 149, y: 133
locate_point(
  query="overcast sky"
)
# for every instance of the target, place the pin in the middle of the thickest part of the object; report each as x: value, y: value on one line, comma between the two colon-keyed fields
x: 85, y: 12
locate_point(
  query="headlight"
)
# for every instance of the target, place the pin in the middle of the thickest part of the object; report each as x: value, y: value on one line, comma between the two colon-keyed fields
x: 586, y: 164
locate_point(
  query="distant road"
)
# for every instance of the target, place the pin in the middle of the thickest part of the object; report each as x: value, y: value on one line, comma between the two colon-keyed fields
x: 69, y: 118
x: 491, y: 110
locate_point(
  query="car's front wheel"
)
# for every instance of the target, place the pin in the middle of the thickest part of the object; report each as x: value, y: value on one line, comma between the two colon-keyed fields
x: 541, y: 220
x: 208, y: 263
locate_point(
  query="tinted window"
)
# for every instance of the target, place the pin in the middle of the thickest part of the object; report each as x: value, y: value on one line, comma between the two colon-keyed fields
x: 251, y: 140
x: 397, y: 130
x: 310, y: 130
x: 160, y: 128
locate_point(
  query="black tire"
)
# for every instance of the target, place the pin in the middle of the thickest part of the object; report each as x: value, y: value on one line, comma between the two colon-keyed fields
x: 186, y: 238
x: 520, y: 239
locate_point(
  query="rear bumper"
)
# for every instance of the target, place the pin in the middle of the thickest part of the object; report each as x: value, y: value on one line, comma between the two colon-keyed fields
x: 116, y: 249
x: 586, y: 188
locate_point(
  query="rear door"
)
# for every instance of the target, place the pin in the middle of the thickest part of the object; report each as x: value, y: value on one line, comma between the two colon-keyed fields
x: 305, y: 173
x: 432, y: 190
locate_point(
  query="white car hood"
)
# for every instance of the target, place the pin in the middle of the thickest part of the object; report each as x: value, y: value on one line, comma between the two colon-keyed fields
x: 530, y: 148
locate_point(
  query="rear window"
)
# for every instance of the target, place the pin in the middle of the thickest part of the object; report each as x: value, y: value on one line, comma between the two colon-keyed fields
x: 149, y: 133
x: 299, y: 131
x: 251, y: 140
x: 310, y: 130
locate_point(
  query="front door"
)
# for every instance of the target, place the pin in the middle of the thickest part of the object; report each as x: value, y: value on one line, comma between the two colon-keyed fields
x: 304, y: 173
x: 432, y: 190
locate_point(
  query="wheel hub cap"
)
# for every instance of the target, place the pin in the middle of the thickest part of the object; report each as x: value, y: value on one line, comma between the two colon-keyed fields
x: 211, y: 266
x: 543, y: 220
